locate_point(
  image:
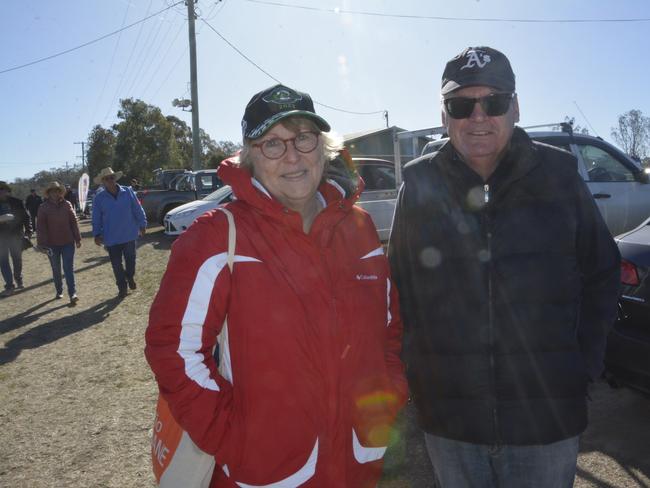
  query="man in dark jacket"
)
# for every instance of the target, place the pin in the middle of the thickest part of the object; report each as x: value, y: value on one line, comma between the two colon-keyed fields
x: 13, y: 219
x: 508, y: 279
x: 32, y: 202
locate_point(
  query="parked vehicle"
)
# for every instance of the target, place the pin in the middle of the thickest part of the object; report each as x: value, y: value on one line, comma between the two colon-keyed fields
x: 177, y: 220
x: 378, y: 199
x: 619, y: 186
x: 189, y: 186
x: 163, y: 178
x: 627, y: 359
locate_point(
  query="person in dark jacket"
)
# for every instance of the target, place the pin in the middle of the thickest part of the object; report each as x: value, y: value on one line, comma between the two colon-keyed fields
x: 13, y: 222
x: 508, y: 279
x: 32, y: 202
x: 71, y: 196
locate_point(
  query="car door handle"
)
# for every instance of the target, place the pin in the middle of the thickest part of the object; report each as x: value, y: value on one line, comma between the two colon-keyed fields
x: 602, y: 195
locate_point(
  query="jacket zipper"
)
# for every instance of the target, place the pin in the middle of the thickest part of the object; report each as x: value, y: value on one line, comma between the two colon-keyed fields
x: 488, y: 234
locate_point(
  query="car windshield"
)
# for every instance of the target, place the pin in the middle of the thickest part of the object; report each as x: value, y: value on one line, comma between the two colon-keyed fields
x: 218, y: 194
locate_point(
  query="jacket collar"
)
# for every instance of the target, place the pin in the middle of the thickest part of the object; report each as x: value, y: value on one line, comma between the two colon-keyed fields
x: 520, y: 158
x: 247, y: 188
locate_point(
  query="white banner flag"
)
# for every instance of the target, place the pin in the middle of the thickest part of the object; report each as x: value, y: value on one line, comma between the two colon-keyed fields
x: 84, y: 183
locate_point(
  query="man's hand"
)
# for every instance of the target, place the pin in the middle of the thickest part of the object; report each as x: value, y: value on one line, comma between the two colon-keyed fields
x: 78, y: 244
x: 142, y: 232
x: 98, y: 240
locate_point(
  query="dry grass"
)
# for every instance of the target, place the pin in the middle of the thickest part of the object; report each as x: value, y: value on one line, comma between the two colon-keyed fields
x: 77, y: 397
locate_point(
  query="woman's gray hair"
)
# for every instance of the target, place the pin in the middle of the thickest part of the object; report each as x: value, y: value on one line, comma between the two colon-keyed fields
x: 332, y: 142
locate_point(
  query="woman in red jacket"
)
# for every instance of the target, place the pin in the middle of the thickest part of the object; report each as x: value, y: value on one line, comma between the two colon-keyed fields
x: 310, y: 380
x: 58, y: 232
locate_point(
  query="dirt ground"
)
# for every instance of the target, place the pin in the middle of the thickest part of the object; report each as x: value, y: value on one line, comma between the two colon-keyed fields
x: 77, y: 397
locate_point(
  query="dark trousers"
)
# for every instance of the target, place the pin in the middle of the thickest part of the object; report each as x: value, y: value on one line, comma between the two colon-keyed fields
x: 122, y: 270
x: 66, y: 254
x: 11, y: 245
x: 32, y: 218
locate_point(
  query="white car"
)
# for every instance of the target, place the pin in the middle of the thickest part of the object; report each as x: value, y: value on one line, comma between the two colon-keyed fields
x: 378, y: 199
x: 180, y: 218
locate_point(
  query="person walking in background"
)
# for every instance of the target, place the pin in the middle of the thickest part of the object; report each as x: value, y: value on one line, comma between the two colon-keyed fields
x: 311, y: 379
x: 71, y: 196
x: 14, y: 224
x: 118, y: 219
x: 32, y: 202
x: 508, y: 278
x: 135, y: 185
x: 58, y: 232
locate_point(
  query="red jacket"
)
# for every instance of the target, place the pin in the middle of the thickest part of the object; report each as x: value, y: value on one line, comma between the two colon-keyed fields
x: 314, y: 379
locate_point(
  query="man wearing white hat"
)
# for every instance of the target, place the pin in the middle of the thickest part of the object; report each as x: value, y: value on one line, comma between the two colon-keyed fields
x: 118, y: 220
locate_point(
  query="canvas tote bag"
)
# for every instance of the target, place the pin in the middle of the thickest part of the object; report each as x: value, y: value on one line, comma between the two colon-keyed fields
x: 176, y: 460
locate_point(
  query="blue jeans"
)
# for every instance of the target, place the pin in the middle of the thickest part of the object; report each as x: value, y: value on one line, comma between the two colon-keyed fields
x: 11, y: 245
x: 63, y: 253
x: 459, y: 464
x: 122, y: 273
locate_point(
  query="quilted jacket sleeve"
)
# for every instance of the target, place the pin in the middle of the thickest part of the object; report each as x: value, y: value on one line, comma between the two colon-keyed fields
x: 599, y: 262
x: 184, y: 321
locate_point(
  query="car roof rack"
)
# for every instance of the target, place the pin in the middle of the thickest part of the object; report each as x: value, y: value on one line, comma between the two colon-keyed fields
x: 564, y: 127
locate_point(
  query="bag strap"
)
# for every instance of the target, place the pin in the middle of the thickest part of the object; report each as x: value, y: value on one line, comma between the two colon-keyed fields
x: 232, y: 237
x: 222, y: 339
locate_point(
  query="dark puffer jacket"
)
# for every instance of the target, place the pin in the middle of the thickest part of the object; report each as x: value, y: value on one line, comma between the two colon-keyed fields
x: 508, y: 288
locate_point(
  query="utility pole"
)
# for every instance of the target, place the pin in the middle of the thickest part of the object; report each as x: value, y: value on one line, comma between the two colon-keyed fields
x: 196, y: 141
x: 83, y: 155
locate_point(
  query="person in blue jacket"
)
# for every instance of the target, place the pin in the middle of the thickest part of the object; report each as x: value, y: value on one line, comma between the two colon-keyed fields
x: 118, y: 220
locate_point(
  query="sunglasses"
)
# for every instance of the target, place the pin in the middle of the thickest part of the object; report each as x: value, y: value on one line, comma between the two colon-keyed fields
x: 493, y: 105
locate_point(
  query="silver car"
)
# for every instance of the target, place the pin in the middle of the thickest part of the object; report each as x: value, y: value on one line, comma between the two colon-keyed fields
x: 619, y: 186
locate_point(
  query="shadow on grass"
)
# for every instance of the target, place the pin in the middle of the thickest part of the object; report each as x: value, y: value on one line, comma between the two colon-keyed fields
x: 95, y: 261
x: 29, y: 316
x: 157, y: 239
x: 56, y: 329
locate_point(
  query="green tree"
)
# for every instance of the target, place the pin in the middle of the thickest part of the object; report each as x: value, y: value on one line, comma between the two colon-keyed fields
x: 633, y: 133
x: 101, y: 149
x: 145, y: 140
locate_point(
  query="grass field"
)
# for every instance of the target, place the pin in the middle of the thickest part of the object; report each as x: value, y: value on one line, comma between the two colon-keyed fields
x: 77, y: 396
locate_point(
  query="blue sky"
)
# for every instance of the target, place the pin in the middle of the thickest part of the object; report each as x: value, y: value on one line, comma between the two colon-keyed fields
x: 355, y: 62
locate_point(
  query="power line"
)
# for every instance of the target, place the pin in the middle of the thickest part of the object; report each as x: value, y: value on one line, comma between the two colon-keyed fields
x: 110, y: 68
x: 278, y: 81
x: 7, y: 70
x: 455, y: 19
x: 128, y: 64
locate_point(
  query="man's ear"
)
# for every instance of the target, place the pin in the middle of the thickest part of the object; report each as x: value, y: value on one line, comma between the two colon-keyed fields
x: 515, y: 108
x: 443, y: 115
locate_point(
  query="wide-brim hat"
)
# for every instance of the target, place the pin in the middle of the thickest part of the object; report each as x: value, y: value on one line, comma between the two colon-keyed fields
x: 278, y: 102
x: 54, y: 186
x: 107, y: 172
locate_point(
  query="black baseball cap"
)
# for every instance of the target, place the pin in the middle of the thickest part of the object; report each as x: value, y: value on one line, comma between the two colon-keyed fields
x: 269, y: 106
x: 478, y: 66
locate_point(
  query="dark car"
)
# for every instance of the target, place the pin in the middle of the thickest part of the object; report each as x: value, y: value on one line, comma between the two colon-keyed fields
x: 627, y: 359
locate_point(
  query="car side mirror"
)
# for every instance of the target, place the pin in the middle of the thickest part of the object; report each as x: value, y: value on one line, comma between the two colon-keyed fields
x: 642, y: 176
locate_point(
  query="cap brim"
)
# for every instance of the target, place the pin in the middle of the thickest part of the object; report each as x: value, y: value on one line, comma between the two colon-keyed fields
x: 261, y: 129
x: 498, y: 83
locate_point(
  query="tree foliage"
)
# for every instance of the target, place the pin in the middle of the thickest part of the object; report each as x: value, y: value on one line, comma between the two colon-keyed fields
x: 68, y: 175
x: 633, y: 133
x: 101, y: 149
x: 145, y: 139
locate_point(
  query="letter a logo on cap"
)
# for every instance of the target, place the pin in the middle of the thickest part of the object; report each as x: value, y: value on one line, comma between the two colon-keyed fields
x: 476, y: 59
